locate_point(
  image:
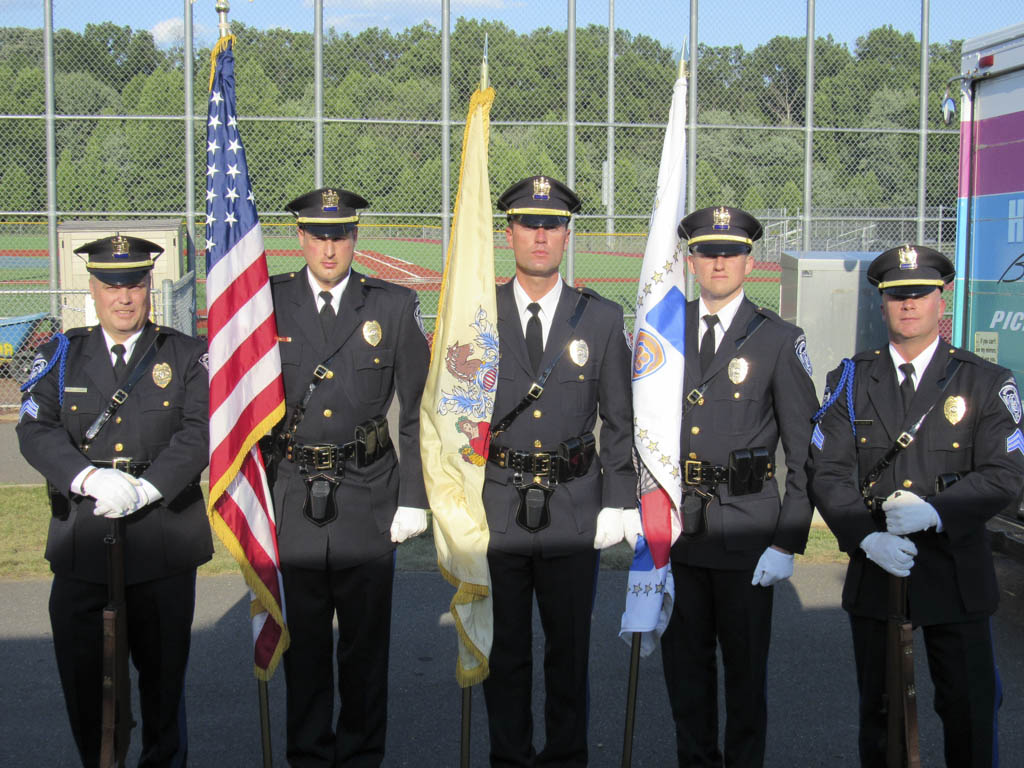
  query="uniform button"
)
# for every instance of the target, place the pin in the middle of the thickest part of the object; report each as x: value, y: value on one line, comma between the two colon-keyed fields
x: 694, y: 430
x: 693, y: 455
x: 701, y: 401
x: 166, y: 403
x: 536, y: 478
x: 907, y: 483
x: 536, y: 443
x: 956, y: 445
x: 328, y: 413
x: 863, y: 439
x: 581, y: 377
x: 118, y: 447
x: 376, y: 361
x: 736, y: 395
x: 537, y: 414
x: 74, y: 407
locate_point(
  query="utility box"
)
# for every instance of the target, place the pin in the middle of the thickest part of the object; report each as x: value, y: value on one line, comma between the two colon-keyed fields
x: 828, y: 295
x: 176, y: 260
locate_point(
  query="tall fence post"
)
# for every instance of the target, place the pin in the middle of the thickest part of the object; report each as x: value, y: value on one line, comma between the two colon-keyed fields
x: 51, y: 154
x: 809, y: 129
x: 922, y: 145
x: 190, y: 128
x: 570, y: 148
x: 446, y: 129
x: 318, y: 93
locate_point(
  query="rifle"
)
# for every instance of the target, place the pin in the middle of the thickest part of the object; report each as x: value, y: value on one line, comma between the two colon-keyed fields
x: 901, y: 727
x: 117, y: 691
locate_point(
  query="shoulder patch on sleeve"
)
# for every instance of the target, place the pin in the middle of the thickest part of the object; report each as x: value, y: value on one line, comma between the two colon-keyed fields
x: 1008, y: 394
x: 204, y: 360
x: 800, y: 347
x: 417, y: 313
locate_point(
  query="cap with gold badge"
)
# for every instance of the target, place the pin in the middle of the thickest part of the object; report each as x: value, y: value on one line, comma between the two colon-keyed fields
x: 539, y: 201
x: 720, y: 231
x: 327, y: 212
x: 119, y: 259
x: 910, y: 271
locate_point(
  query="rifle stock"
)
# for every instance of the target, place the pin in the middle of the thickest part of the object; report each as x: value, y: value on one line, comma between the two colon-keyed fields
x: 901, y: 694
x: 117, y: 692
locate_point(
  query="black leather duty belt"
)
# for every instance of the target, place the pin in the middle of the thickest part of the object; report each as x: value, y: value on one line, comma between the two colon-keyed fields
x: 133, y: 468
x: 704, y: 473
x: 323, y: 457
x: 542, y: 464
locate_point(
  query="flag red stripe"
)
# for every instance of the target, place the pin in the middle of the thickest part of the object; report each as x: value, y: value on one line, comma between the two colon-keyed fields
x: 657, y: 521
x: 235, y: 295
x: 262, y: 565
x: 266, y: 643
x: 248, y: 353
x: 225, y: 452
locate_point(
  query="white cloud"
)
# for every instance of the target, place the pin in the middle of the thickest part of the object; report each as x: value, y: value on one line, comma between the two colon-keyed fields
x: 171, y: 32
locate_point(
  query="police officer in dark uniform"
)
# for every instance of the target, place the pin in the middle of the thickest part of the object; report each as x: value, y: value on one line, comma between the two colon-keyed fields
x: 348, y: 343
x: 747, y: 384
x: 550, y: 500
x: 930, y: 501
x: 144, y: 462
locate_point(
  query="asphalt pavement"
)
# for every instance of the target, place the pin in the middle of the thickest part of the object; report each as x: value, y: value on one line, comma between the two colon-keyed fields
x: 812, y: 691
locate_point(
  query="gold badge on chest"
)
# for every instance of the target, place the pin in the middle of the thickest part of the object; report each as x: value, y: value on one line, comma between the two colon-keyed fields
x: 162, y: 375
x: 579, y: 352
x: 371, y: 332
x: 738, y: 368
x: 954, y: 409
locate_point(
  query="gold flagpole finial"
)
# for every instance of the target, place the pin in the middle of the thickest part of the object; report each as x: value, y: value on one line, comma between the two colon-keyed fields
x: 683, y: 56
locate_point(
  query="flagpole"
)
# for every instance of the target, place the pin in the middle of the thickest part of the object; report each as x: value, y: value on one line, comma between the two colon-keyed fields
x: 223, y: 7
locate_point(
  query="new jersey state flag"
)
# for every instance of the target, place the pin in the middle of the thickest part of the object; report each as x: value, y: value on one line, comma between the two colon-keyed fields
x: 458, y: 401
x: 658, y: 356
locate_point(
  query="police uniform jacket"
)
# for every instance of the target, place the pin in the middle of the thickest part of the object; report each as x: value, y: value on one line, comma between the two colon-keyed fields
x: 953, y: 578
x: 366, y: 371
x: 573, y: 396
x: 775, y: 398
x: 164, y: 421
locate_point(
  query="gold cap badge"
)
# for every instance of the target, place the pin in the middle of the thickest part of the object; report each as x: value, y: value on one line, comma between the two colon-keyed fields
x: 162, y: 375
x: 541, y: 188
x: 908, y: 258
x: 722, y: 217
x: 579, y: 352
x: 371, y: 332
x: 329, y: 200
x: 954, y: 409
x: 737, y: 370
x: 120, y: 245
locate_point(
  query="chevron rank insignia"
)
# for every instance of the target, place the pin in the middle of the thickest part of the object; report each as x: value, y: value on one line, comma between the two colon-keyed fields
x: 818, y: 437
x: 31, y: 408
x: 1015, y: 442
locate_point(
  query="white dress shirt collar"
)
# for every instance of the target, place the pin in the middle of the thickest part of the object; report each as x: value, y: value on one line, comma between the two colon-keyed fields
x: 548, y: 304
x: 920, y: 362
x: 335, y: 292
x: 129, y: 344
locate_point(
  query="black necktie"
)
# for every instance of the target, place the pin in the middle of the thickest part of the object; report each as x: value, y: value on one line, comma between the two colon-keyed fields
x: 707, y: 343
x: 534, y: 337
x: 326, y: 314
x: 120, y: 365
x: 907, y: 386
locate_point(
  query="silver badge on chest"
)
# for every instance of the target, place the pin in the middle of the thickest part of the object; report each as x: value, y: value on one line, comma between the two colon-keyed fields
x: 738, y: 369
x: 579, y: 352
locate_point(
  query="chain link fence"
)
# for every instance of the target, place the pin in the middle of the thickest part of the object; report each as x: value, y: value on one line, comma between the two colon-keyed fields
x: 122, y: 149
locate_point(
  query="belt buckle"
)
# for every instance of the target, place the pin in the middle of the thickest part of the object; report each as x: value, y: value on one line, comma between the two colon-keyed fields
x: 541, y: 464
x: 323, y: 456
x: 122, y: 463
x: 692, y: 474
x: 694, y: 396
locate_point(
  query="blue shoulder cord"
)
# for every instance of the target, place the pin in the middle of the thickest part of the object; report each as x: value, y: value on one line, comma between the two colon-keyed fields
x: 59, y: 356
x: 845, y: 382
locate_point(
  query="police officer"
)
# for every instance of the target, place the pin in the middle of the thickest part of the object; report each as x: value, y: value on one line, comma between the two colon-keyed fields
x: 746, y: 383
x: 144, y: 462
x: 965, y: 463
x: 348, y: 343
x: 550, y: 501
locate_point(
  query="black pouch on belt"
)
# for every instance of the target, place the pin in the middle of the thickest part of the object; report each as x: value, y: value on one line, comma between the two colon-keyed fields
x: 694, y: 515
x: 59, y: 506
x: 533, y: 514
x: 319, y: 507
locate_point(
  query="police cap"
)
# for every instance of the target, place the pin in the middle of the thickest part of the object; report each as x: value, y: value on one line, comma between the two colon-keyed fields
x: 539, y: 201
x: 119, y: 259
x: 327, y: 212
x: 722, y: 230
x: 909, y: 271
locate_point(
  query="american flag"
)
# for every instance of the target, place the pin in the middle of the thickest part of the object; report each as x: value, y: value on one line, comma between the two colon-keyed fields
x: 246, y: 388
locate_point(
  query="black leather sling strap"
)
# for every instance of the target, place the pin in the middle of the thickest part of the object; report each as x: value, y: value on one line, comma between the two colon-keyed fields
x: 537, y: 388
x: 118, y: 398
x: 906, y: 438
x: 697, y: 393
x: 320, y: 373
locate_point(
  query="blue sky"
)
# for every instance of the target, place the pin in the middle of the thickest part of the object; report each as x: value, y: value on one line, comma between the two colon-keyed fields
x: 722, y: 22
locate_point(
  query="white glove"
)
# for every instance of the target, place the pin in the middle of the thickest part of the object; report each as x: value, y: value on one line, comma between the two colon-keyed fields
x: 408, y: 522
x: 145, y: 494
x: 893, y: 554
x: 114, y: 491
x: 906, y: 512
x: 609, y: 528
x: 632, y: 526
x: 772, y: 567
